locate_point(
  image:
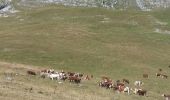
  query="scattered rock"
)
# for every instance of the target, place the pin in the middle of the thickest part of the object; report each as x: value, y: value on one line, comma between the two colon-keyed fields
x: 162, y: 31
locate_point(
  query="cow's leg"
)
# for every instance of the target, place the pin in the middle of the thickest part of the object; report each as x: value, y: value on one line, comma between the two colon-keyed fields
x: 128, y: 91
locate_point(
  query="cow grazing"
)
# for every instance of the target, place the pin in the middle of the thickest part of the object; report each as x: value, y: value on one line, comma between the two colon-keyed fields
x: 125, y: 81
x: 87, y: 77
x: 161, y: 75
x: 138, y: 83
x: 167, y: 97
x: 141, y: 92
x: 44, y: 71
x: 77, y: 80
x: 63, y: 76
x: 105, y: 78
x: 126, y: 89
x: 106, y: 82
x: 54, y: 76
x: 70, y: 73
x: 158, y: 74
x: 71, y: 78
x: 115, y: 87
x: 122, y: 88
x: 107, y: 85
x: 91, y: 76
x: 134, y: 91
x: 164, y: 76
x: 145, y: 76
x: 74, y: 79
x: 160, y: 70
x: 31, y: 72
x: 78, y: 75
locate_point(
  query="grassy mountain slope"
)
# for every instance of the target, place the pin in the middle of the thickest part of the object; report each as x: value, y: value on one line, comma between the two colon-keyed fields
x: 118, y: 44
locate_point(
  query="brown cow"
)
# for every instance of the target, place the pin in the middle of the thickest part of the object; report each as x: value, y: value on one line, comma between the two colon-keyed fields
x: 31, y: 72
x: 70, y: 73
x: 106, y: 79
x: 121, y: 88
x: 141, y: 92
x: 71, y: 78
x: 107, y: 85
x: 145, y: 76
x: 77, y: 80
x: 44, y: 71
x: 74, y: 79
x: 78, y: 75
x: 160, y: 69
x: 158, y: 74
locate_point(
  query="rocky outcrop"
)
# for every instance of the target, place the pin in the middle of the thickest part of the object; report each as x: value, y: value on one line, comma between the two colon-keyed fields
x: 6, y: 8
x: 145, y: 5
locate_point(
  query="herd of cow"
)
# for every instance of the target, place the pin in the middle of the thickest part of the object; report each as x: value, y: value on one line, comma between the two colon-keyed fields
x: 54, y: 75
x: 106, y: 82
x: 120, y: 86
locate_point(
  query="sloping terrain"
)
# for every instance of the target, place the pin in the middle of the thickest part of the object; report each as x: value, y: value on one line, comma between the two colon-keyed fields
x: 98, y: 41
x: 8, y: 7
x: 15, y: 84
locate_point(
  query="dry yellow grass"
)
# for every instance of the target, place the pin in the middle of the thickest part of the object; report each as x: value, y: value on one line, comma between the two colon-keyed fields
x: 15, y: 84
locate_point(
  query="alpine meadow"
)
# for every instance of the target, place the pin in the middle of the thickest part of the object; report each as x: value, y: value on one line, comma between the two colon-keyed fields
x: 94, y: 39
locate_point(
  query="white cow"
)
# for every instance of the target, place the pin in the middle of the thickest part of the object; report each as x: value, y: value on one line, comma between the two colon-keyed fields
x: 138, y: 83
x: 54, y: 76
x: 135, y: 90
x: 57, y: 75
x: 126, y: 89
x: 123, y: 89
